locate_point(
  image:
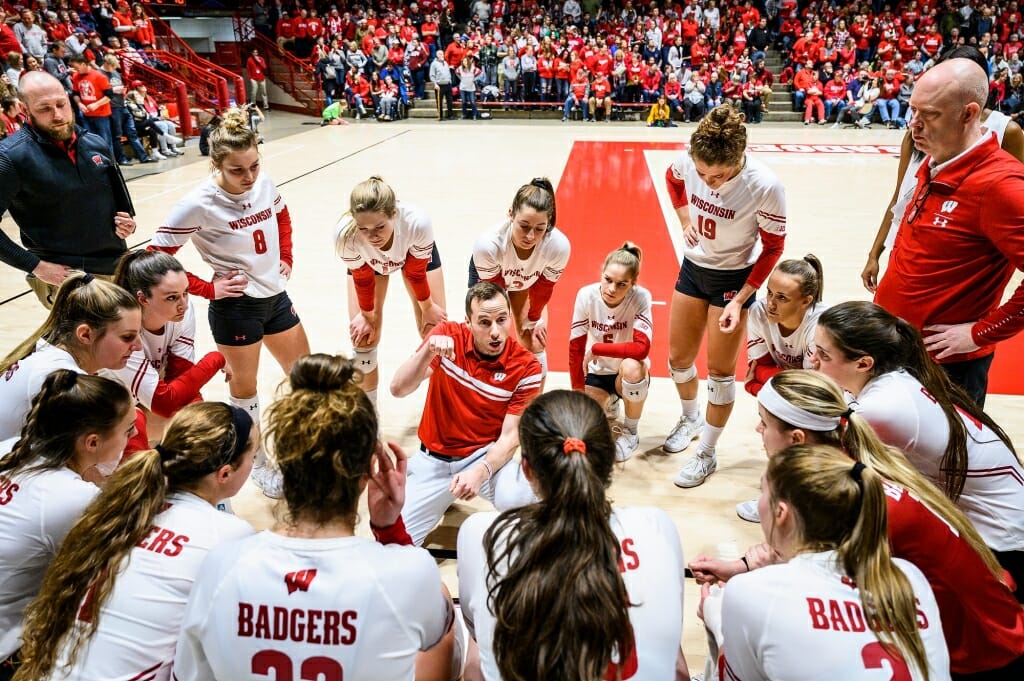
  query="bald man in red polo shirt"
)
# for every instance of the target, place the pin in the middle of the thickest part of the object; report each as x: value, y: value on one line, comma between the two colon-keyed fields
x: 480, y: 380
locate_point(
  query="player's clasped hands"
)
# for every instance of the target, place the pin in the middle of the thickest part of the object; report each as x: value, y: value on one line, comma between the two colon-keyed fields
x: 442, y: 346
x: 363, y: 330
x: 229, y: 284
x: 466, y: 484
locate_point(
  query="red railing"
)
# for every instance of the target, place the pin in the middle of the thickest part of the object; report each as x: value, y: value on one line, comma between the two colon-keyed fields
x: 209, y: 91
x: 291, y: 74
x: 169, y: 90
x: 169, y: 41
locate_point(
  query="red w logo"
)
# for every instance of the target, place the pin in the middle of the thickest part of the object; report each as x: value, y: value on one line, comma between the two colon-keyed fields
x: 299, y: 580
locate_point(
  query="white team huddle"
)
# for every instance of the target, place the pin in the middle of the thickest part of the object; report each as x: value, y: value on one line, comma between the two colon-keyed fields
x: 117, y: 560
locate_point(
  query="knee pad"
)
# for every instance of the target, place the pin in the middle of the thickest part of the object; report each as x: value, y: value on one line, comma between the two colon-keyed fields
x: 636, y: 392
x: 542, y: 357
x: 721, y: 390
x: 365, y: 360
x: 683, y: 375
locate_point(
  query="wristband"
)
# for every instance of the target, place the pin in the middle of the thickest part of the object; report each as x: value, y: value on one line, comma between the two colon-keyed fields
x: 490, y: 471
x: 528, y: 326
x: 745, y: 563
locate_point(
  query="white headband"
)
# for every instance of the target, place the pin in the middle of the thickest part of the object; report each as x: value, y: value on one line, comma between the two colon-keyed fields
x: 788, y: 412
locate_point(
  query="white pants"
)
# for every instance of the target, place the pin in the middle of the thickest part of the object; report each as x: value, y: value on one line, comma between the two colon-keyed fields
x: 258, y: 87
x: 427, y: 494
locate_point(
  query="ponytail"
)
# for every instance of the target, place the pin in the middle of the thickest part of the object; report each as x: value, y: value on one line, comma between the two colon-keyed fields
x: 842, y: 507
x: 809, y: 272
x: 539, y: 195
x: 139, y: 271
x: 560, y: 605
x: 200, y: 439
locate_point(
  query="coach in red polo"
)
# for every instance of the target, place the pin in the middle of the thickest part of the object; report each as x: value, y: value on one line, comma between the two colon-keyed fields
x: 480, y: 380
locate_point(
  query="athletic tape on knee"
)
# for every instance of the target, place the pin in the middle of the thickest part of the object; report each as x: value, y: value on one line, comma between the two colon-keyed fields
x: 683, y: 375
x: 365, y: 360
x: 542, y: 357
x: 721, y: 390
x: 635, y: 392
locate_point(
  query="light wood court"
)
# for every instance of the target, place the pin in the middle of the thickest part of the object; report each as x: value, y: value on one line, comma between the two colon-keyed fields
x: 464, y: 175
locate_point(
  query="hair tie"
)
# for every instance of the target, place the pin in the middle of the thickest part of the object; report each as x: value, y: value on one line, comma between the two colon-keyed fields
x: 574, y: 444
x: 539, y: 182
x: 87, y: 278
x: 165, y: 454
x: 847, y: 413
x: 855, y: 471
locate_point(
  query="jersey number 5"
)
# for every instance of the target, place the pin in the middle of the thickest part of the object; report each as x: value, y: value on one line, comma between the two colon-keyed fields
x: 259, y: 241
x: 873, y: 654
x: 706, y: 227
x: 311, y: 669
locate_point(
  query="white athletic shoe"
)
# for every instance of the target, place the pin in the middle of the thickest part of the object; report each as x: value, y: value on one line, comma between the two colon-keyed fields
x: 685, y: 431
x: 175, y: 140
x: 269, y: 480
x: 696, y: 470
x: 625, y: 444
x: 613, y: 408
x: 157, y: 155
x: 748, y: 511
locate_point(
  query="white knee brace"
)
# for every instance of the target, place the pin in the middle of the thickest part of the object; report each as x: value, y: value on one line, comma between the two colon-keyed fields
x: 721, y: 390
x: 365, y: 360
x: 635, y: 392
x: 542, y: 357
x: 683, y: 375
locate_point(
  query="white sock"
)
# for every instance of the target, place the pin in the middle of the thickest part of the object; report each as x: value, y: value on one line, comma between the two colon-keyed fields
x: 252, y: 406
x: 691, y: 408
x: 630, y: 424
x: 709, y: 435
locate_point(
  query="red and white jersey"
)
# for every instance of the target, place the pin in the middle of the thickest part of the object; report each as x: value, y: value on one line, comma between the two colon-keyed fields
x: 494, y: 255
x: 652, y: 567
x: 413, y: 236
x: 140, y: 621
x: 789, y: 352
x: 37, y: 511
x: 231, y: 232
x: 468, y: 397
x: 728, y: 220
x: 22, y: 382
x: 287, y: 607
x: 906, y: 416
x: 142, y: 374
x: 593, y: 318
x: 773, y: 616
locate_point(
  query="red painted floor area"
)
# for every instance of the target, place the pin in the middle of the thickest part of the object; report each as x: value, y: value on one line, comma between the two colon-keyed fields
x: 606, y: 196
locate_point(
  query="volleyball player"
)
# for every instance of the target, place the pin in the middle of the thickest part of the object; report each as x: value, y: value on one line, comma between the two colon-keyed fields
x: 913, y: 406
x: 609, y: 341
x: 377, y: 237
x: 112, y: 601
x: 479, y: 382
x: 1007, y: 132
x: 92, y: 325
x: 780, y: 331
x: 308, y: 594
x: 242, y: 229
x: 163, y: 375
x: 569, y: 587
x: 839, y: 592
x: 525, y: 255
x: 982, y: 622
x: 73, y: 436
x: 732, y: 209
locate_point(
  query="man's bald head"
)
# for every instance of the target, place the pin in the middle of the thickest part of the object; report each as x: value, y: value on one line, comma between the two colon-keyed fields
x: 962, y: 80
x: 34, y: 84
x: 946, y: 107
x: 46, y: 101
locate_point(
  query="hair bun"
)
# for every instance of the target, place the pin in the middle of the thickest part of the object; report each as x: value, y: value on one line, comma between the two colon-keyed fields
x: 322, y: 373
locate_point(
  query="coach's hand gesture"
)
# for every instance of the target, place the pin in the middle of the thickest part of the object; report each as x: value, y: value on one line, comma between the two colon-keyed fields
x: 442, y: 346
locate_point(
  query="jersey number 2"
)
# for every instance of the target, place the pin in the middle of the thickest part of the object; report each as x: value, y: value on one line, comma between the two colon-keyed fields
x: 874, y: 653
x: 706, y: 227
x: 312, y: 668
x: 259, y: 241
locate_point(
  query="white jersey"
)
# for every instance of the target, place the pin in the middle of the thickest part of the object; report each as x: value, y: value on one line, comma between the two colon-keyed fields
x: 413, y: 237
x: 146, y: 367
x: 22, y: 382
x: 789, y: 352
x: 232, y: 232
x: 802, y: 620
x: 140, y: 620
x: 323, y: 607
x: 995, y: 124
x: 37, y: 510
x: 602, y: 324
x: 494, y: 255
x: 728, y: 220
x: 652, y: 568
x: 905, y: 416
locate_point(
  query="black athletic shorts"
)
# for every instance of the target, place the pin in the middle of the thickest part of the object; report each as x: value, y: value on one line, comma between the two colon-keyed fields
x: 474, y: 276
x: 717, y: 287
x: 246, y: 320
x: 605, y: 382
x: 435, y: 260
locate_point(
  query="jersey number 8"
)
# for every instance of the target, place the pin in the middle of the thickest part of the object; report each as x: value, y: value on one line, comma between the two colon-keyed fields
x: 312, y: 668
x: 259, y: 240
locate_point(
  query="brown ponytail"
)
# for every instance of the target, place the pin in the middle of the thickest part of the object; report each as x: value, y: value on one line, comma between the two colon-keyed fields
x: 560, y: 605
x: 199, y: 440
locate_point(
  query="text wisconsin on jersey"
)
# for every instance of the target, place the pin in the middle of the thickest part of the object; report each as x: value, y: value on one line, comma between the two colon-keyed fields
x: 712, y: 209
x: 249, y: 220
